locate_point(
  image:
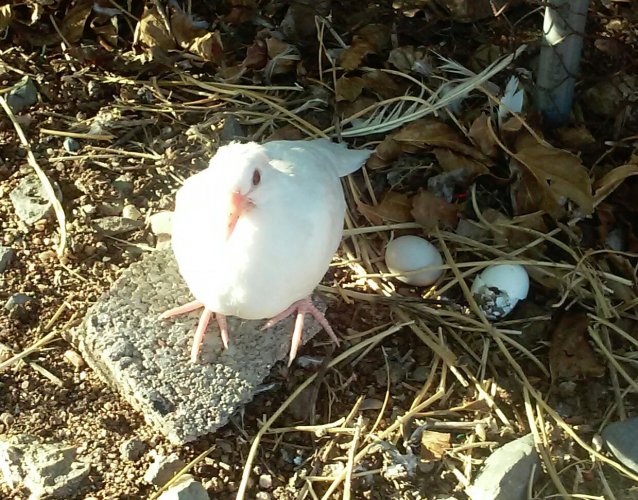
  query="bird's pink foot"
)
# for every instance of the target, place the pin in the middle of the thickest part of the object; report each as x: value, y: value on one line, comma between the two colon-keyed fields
x: 201, y: 325
x: 301, y: 307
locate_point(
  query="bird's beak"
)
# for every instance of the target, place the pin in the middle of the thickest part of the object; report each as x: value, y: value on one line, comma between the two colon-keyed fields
x: 239, y: 204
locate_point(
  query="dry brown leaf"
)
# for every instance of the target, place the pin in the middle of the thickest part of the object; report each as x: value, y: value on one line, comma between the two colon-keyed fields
x: 346, y: 108
x: 529, y: 195
x: 381, y: 83
x: 482, y: 137
x: 371, y: 39
x: 241, y: 11
x: 451, y: 161
x: 256, y: 55
x: 558, y: 173
x: 106, y: 29
x: 434, y: 445
x: 511, y: 128
x: 284, y: 57
x: 419, y: 135
x: 72, y: 26
x: 433, y: 133
x: 184, y: 29
x: 208, y: 47
x: 409, y: 59
x: 394, y: 207
x: 570, y: 355
x: 151, y: 31
x: 348, y: 88
x: 431, y: 211
x: 610, y: 182
x: 575, y: 137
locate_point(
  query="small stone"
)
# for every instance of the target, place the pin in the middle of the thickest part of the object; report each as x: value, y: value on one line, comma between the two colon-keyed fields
x: 263, y: 495
x: 163, y: 469
x: 110, y: 209
x: 163, y: 241
x: 265, y: 481
x: 186, y: 488
x: 114, y: 225
x: 23, y: 95
x: 6, y: 257
x: 74, y: 358
x: 420, y: 373
x: 70, y: 145
x: 231, y: 130
x: 88, y: 209
x: 18, y: 305
x: 45, y: 469
x: 30, y: 200
x: 94, y: 89
x: 6, y: 419
x: 131, y: 212
x: 622, y: 440
x: 47, y: 256
x: 161, y: 222
x: 124, y: 185
x: 132, y: 449
x: 506, y: 473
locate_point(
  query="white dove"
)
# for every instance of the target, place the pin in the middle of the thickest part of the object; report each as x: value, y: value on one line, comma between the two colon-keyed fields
x: 255, y: 232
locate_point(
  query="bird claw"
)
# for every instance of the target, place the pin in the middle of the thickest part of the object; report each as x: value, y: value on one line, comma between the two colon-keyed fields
x: 301, y: 307
x: 201, y: 325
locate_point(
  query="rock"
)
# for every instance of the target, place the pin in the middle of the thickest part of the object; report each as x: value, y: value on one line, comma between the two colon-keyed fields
x: 265, y: 481
x: 6, y: 257
x: 19, y: 306
x: 163, y: 241
x: 74, y: 358
x: 70, y: 145
x: 30, y: 201
x: 147, y: 359
x: 124, y: 185
x: 132, y: 449
x: 110, y: 209
x: 23, y: 95
x: 163, y: 469
x: 622, y: 440
x: 161, y: 223
x: 6, y: 419
x: 114, y: 225
x: 131, y: 212
x: 88, y: 209
x: 231, y: 130
x: 45, y: 469
x: 186, y: 488
x: 506, y: 472
x: 263, y: 495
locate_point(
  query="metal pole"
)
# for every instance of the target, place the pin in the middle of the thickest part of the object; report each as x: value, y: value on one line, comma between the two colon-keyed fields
x: 563, y: 32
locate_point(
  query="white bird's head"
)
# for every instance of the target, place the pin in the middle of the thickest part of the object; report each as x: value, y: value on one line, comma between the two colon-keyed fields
x: 238, y: 179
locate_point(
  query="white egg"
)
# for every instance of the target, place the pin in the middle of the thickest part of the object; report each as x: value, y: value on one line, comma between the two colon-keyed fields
x: 409, y: 253
x: 498, y: 289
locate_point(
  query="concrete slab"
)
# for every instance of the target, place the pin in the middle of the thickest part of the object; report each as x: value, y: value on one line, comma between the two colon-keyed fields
x: 147, y: 359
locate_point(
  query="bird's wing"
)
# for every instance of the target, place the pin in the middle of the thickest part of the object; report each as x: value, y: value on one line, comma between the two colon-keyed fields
x: 318, y: 153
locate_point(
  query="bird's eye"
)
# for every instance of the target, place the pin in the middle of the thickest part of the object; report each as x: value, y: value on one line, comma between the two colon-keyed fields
x: 256, y: 177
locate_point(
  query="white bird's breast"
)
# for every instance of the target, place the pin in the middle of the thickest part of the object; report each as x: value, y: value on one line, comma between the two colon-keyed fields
x: 277, y: 254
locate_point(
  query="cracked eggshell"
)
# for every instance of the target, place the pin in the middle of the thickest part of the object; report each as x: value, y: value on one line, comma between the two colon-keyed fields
x: 409, y: 253
x: 498, y: 289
